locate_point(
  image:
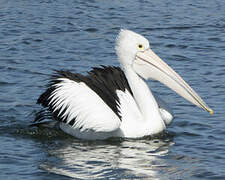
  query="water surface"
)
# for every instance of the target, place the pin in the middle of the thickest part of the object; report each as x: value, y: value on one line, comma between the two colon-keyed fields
x: 37, y: 37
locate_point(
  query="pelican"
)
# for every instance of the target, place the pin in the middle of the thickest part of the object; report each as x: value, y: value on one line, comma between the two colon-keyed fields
x: 112, y: 101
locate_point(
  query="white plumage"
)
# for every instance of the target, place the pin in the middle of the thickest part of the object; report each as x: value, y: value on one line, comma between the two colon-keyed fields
x: 109, y: 102
x: 78, y: 101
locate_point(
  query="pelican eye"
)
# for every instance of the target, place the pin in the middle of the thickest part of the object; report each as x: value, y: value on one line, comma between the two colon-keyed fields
x: 140, y: 47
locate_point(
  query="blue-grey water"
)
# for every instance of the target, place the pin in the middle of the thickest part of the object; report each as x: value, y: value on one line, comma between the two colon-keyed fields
x: 39, y: 36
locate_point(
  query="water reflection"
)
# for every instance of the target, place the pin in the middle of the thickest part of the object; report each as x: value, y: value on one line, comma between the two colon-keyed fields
x: 127, y: 158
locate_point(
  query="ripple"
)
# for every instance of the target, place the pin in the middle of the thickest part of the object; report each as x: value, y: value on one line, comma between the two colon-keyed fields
x: 91, y: 30
x: 37, y: 37
x: 4, y: 83
x: 175, y: 28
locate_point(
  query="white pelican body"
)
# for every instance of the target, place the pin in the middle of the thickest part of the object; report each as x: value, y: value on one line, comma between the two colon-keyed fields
x: 109, y: 102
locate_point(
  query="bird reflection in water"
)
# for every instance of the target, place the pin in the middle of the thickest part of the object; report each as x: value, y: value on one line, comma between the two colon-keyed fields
x: 109, y: 159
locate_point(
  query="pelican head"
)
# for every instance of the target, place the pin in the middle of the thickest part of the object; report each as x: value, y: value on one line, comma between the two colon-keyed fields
x: 133, y: 51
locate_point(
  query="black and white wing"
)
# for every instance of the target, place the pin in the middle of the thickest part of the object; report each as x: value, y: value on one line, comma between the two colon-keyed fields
x: 85, y: 102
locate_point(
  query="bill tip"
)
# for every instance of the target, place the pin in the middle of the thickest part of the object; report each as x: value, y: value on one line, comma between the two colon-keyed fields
x: 211, y: 111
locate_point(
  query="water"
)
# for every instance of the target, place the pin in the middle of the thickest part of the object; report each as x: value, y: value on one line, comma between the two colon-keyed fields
x: 39, y: 36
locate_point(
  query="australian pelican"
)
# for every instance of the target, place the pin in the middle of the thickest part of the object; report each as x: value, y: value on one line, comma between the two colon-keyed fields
x: 114, y: 102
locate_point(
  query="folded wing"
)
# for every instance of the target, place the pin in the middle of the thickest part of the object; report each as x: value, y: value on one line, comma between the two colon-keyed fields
x: 76, y: 104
